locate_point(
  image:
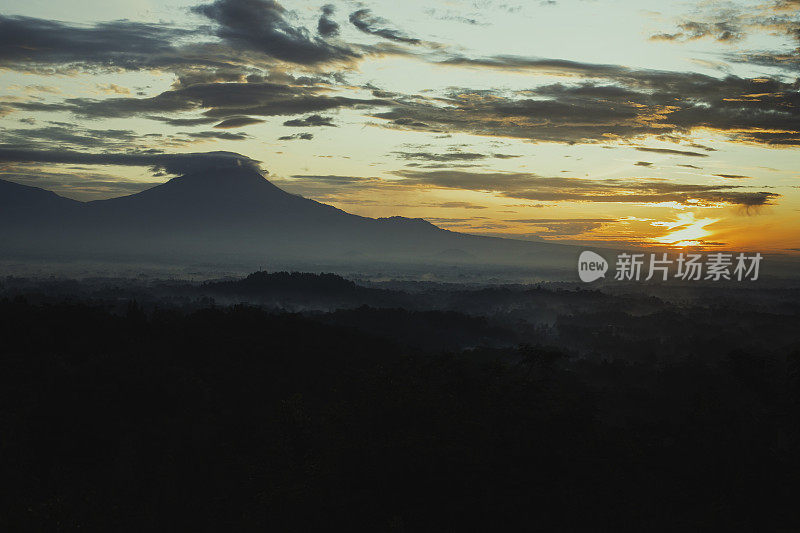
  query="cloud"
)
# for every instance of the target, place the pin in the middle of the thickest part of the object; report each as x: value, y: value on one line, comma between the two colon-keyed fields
x: 539, y: 119
x: 452, y: 155
x: 722, y: 31
x: 454, y: 16
x: 731, y: 23
x: 544, y: 65
x: 565, y: 226
x: 184, y: 121
x: 445, y: 157
x: 670, y: 151
x: 218, y: 100
x: 450, y: 221
x: 225, y: 135
x: 28, y: 43
x: 238, y: 122
x: 364, y: 20
x: 310, y: 121
x: 636, y: 104
x: 326, y: 26
x: 331, y: 187
x: 643, y: 164
x: 193, y: 75
x: 71, y: 135
x: 733, y: 176
x: 559, y: 220
x: 170, y: 163
x: 112, y: 88
x: 533, y: 187
x: 239, y: 76
x: 297, y: 136
x: 458, y: 205
x: 610, y: 103
x: 260, y: 25
x: 333, y: 179
x: 47, y: 89
x: 702, y: 147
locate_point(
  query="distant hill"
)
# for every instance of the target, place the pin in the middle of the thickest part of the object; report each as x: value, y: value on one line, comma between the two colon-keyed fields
x: 29, y: 203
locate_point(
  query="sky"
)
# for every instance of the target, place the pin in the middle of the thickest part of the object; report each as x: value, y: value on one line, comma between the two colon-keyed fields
x: 625, y: 122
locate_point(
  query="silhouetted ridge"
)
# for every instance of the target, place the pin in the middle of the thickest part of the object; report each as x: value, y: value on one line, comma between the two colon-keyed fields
x: 227, y: 211
x: 419, y: 222
x: 260, y: 282
x: 14, y: 195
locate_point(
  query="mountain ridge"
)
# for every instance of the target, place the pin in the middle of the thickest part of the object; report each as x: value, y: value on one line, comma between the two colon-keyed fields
x: 233, y: 211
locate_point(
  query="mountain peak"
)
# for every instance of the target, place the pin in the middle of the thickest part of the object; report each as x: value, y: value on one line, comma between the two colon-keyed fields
x: 230, y: 172
x: 397, y: 220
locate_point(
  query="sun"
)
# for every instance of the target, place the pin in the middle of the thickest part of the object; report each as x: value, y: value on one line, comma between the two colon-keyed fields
x: 687, y: 230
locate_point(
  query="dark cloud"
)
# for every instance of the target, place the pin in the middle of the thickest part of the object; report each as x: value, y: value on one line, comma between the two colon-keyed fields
x: 620, y: 103
x: 310, y: 121
x: 30, y: 43
x: 733, y: 176
x: 170, y: 163
x: 297, y: 136
x: 224, y: 135
x: 533, y: 187
x: 552, y: 119
x: 670, y: 151
x: 194, y: 76
x: 445, y: 157
x: 553, y: 66
x: 643, y: 164
x: 702, y: 147
x: 453, y: 155
x: 200, y: 121
x: 260, y: 25
x: 442, y: 165
x: 729, y: 22
x: 238, y: 122
x: 364, y: 20
x: 217, y: 100
x: 71, y: 135
x: 234, y: 79
x: 691, y: 166
x: 326, y: 26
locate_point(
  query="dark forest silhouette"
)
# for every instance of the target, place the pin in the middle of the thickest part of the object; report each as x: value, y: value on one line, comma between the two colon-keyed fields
x: 133, y: 416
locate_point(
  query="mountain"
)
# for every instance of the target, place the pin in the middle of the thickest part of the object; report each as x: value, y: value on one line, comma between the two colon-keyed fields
x: 20, y: 201
x: 232, y: 213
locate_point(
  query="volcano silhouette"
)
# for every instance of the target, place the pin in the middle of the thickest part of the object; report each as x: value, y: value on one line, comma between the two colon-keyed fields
x: 233, y: 212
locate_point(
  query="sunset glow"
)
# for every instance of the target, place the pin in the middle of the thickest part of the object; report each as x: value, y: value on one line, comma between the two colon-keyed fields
x: 481, y: 117
x: 686, y: 231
